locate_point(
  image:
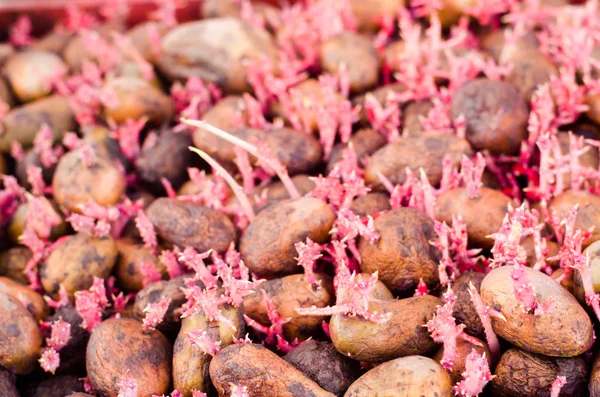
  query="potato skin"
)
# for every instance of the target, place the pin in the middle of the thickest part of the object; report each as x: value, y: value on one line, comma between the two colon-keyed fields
x: 402, y: 335
x: 33, y: 302
x: 7, y: 384
x: 13, y: 262
x: 530, y: 69
x: 127, y: 268
x: 588, y: 215
x: 520, y: 374
x: 370, y: 203
x: 267, y: 247
x: 287, y: 294
x: 188, y: 224
x: 403, y: 254
x: 413, y: 376
x: 118, y: 346
x: 463, y: 348
x: 593, y: 251
x: 29, y: 73
x: 247, y: 364
x: 367, y: 13
x: 566, y: 331
x: 20, y: 336
x: 365, y: 142
x: 464, y: 310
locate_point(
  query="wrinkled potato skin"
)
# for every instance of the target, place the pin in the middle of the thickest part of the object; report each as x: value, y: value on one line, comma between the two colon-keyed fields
x: 365, y: 142
x: 463, y: 349
x: 33, y: 302
x: 370, y: 203
x: 190, y: 364
x: 56, y: 386
x: 127, y: 268
x: 20, y: 336
x: 367, y: 13
x: 287, y: 294
x: 520, y: 373
x: 588, y: 215
x: 425, y: 151
x: 13, y: 262
x: 403, y: 254
x: 29, y: 73
x: 7, y: 384
x: 566, y: 331
x: 262, y: 372
x: 188, y: 224
x: 75, y: 263
x: 118, y: 346
x: 412, y: 376
x: 267, y: 246
x: 402, y: 335
x: 483, y: 215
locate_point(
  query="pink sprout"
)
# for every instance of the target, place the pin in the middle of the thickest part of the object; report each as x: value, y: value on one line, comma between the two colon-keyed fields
x: 36, y: 180
x: 77, y: 19
x: 128, y: 135
x: 20, y: 32
x: 242, y: 160
x: 196, y: 393
x: 16, y: 150
x: 146, y: 229
x: 250, y: 16
x: 107, y: 57
x: 127, y: 386
x: 94, y: 219
x: 384, y: 118
x: 235, y: 277
x: 485, y: 313
x: 238, y: 391
x: 155, y: 313
x: 195, y: 261
x: 274, y: 333
x: 348, y: 226
x: 41, y: 216
x: 206, y: 301
x: 193, y: 99
x: 89, y: 304
x: 63, y: 299
x: 201, y: 340
x: 169, y: 260
x: 60, y: 334
x: 471, y: 172
x: 421, y: 289
x: 150, y: 274
x: 42, y: 145
x: 308, y: 254
x: 557, y: 385
x: 49, y: 360
x: 166, y: 12
x: 568, y: 96
x: 477, y: 374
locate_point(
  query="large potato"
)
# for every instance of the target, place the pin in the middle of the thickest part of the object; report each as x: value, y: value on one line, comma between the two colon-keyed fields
x: 128, y: 267
x: 30, y: 73
x: 33, y: 302
x: 589, y: 211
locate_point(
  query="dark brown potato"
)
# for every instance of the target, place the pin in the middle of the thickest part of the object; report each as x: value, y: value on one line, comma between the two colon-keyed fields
x: 12, y: 263
x: 20, y: 337
x: 403, y: 254
x: 368, y: 13
x: 464, y: 310
x: 128, y: 267
x: 33, y: 302
x: 530, y: 69
x: 365, y: 142
x: 425, y: 151
x: 463, y: 349
x: 594, y: 385
x: 521, y: 374
x: 30, y: 72
x: 411, y: 117
x: 7, y: 384
x: 72, y: 356
x: 565, y: 331
x: 56, y: 386
x: 75, y: 263
x: 267, y: 246
x: 589, y: 211
x: 245, y: 365
x: 412, y: 376
x: 483, y: 215
x: 188, y: 224
x: 288, y: 294
x: 495, y: 114
x: 403, y: 335
x: 370, y: 203
x: 17, y: 224
x: 119, y: 346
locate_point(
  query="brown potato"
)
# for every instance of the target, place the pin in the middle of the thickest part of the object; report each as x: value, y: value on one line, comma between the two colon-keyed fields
x: 403, y: 254
x: 367, y: 14
x: 365, y: 142
x: 232, y: 8
x: 245, y: 365
x: 120, y: 346
x: 412, y: 376
x: 77, y: 51
x: 6, y: 51
x: 141, y: 36
x: 5, y: 95
x: 215, y: 50
x: 17, y: 224
x: 520, y: 374
x: 267, y: 246
x: 288, y: 294
x: 493, y: 42
x: 56, y: 386
x: 190, y: 364
x: 483, y: 214
x: 464, y: 310
x: 370, y: 203
x: 452, y: 10
x: 276, y: 191
x: 530, y: 69
x: 23, y: 123
x: 20, y: 337
x: 380, y: 94
x: 55, y: 41
x: 529, y: 246
x: 411, y: 117
x: 565, y: 331
x: 33, y: 302
x: 403, y: 335
x: 594, y: 385
x: 593, y: 252
x: 226, y: 114
x: 593, y: 103
x: 128, y: 266
x: 426, y: 151
x: 72, y: 356
x: 188, y: 224
x: 495, y: 114
x: 30, y: 72
x: 75, y: 263
x: 463, y: 349
x: 589, y: 211
x: 7, y: 384
x: 13, y: 262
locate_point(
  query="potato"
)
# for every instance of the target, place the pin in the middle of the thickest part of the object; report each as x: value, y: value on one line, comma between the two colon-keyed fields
x: 594, y: 385
x: 226, y: 114
x: 77, y: 51
x: 232, y: 8
x: 365, y: 142
x: 120, y: 346
x: 23, y: 123
x: 246, y: 365
x: 464, y: 310
x: 128, y: 267
x: 495, y: 114
x: 276, y: 191
x: 13, y: 262
x: 55, y: 41
x: 5, y: 95
x: 381, y: 95
x: 7, y: 384
x: 521, y: 374
x: 403, y: 335
x: 33, y: 302
x: 530, y: 69
x: 463, y: 349
x: 56, y: 386
x: 142, y: 36
x: 6, y: 51
x: 370, y: 203
x: 412, y: 376
x: 411, y: 117
x: 20, y: 337
x: 324, y: 365
x: 593, y: 252
x: 267, y: 246
x: 593, y: 103
x: 493, y: 42
x: 425, y: 151
x: 215, y: 50
x: 288, y: 294
x: 30, y: 159
x: 16, y: 227
x: 75, y: 183
x: 368, y: 13
x: 403, y: 254
x: 75, y: 263
x: 483, y: 214
x: 30, y: 72
x: 589, y: 211
x: 190, y: 364
x: 565, y: 331
x: 188, y: 224
x: 72, y: 356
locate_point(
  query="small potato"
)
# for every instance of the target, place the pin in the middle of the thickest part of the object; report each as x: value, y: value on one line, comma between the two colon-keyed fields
x: 23, y: 123
x: 425, y: 151
x: 402, y: 335
x: 523, y: 374
x: 128, y: 267
x: 530, y: 69
x: 78, y: 51
x: 589, y: 211
x: 565, y: 331
x: 30, y: 72
x: 142, y: 35
x: 324, y: 365
x: 412, y: 114
x: 288, y: 294
x: 33, y: 302
x: 365, y: 142
x: 412, y: 376
x: 370, y: 203
x: 19, y: 219
x: 463, y: 349
x: 7, y: 384
x: 56, y: 386
x: 75, y: 263
x: 483, y: 214
x: 464, y: 310
x: 368, y: 13
x: 403, y: 254
x: 267, y: 246
x: 20, y: 336
x: 13, y: 262
x: 495, y: 114
x: 120, y: 346
x: 215, y: 50
x: 72, y: 356
x: 246, y: 365
x: 188, y: 224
